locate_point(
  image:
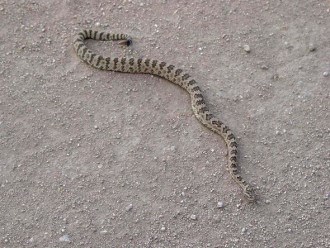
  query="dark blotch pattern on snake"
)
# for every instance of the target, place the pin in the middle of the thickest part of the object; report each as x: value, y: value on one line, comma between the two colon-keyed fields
x: 172, y: 74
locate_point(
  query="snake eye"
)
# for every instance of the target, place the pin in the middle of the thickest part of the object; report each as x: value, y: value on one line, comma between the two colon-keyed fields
x: 126, y: 42
x: 129, y: 42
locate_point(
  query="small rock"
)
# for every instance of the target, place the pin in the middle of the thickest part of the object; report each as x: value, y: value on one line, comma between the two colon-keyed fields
x: 129, y: 207
x: 193, y: 217
x: 247, y: 48
x: 243, y: 230
x: 97, y: 24
x: 96, y: 127
x: 264, y: 67
x: 65, y: 238
x: 163, y: 228
x: 220, y: 204
x: 312, y: 47
x: 275, y: 77
x: 286, y: 44
x: 325, y: 74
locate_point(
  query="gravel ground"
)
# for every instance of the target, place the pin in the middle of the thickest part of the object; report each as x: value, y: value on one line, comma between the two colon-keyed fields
x: 91, y: 158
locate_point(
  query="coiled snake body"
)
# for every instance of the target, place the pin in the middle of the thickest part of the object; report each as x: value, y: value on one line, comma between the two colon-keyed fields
x: 174, y: 75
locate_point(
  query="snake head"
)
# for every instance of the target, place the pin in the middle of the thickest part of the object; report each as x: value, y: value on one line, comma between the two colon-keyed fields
x: 126, y: 42
x: 249, y: 193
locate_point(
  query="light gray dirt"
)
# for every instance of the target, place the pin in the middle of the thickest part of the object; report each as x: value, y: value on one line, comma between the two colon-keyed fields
x: 92, y: 158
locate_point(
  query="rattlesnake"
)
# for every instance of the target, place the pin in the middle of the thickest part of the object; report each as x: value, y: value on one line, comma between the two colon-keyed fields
x: 176, y: 76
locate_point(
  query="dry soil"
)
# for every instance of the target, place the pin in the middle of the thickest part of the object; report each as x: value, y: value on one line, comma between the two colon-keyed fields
x: 92, y: 158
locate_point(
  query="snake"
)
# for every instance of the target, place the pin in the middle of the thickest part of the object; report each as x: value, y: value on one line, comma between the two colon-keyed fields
x: 172, y: 74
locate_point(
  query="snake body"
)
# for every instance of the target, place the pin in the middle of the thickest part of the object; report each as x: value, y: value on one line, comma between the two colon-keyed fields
x: 172, y: 74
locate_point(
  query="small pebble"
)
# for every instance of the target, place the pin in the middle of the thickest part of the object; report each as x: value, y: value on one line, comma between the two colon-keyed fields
x: 275, y: 77
x: 325, y: 74
x: 97, y: 24
x: 311, y: 47
x: 247, y: 48
x: 193, y: 217
x: 243, y: 230
x: 96, y: 127
x: 129, y: 207
x: 163, y: 228
x: 286, y: 44
x: 220, y: 204
x: 65, y: 238
x: 264, y: 67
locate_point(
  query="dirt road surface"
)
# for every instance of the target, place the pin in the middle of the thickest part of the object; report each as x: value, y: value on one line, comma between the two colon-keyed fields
x: 92, y: 158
